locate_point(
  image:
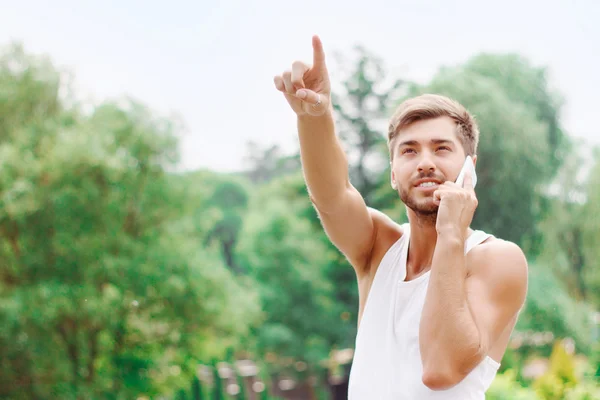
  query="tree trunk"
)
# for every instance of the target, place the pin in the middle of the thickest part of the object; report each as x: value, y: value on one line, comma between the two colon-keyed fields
x: 68, y: 332
x: 93, y: 343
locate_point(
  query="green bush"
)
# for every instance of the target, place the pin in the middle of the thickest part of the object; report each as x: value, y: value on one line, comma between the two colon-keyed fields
x: 506, y: 387
x: 560, y: 376
x: 549, y: 387
x: 586, y: 390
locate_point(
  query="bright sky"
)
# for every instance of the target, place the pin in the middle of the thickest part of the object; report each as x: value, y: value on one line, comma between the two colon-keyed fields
x: 213, y: 62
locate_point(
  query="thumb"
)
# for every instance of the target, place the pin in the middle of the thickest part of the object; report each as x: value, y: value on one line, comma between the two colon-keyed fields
x: 314, y: 102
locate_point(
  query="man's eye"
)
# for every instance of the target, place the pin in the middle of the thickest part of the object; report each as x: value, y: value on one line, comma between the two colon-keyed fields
x: 408, y: 151
x: 444, y: 148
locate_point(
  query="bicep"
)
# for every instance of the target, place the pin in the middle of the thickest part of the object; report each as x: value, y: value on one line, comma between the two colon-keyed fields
x: 351, y: 227
x: 496, y: 290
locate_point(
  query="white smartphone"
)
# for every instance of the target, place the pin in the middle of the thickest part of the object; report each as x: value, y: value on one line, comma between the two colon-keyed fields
x: 470, y: 166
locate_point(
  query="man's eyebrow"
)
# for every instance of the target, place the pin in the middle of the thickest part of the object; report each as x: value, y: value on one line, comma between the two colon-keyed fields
x: 432, y: 141
x: 408, y: 143
x: 441, y: 141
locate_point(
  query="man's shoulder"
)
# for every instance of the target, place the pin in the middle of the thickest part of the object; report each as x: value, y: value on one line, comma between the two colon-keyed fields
x: 495, y: 249
x: 501, y: 264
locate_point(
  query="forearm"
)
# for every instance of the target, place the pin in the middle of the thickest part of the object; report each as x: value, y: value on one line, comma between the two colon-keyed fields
x: 449, y: 337
x: 324, y: 162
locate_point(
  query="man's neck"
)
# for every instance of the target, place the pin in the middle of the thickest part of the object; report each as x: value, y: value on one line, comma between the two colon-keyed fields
x: 423, y: 237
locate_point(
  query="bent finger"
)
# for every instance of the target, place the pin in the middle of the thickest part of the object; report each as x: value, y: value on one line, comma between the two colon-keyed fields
x: 438, y: 195
x: 287, y: 82
x: 278, y: 81
x: 298, y: 71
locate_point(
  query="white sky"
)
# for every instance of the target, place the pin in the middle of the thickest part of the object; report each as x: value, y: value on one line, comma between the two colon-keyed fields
x: 213, y: 62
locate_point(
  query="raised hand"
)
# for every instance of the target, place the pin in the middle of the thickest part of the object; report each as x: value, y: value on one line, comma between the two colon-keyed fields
x: 456, y: 205
x: 307, y: 88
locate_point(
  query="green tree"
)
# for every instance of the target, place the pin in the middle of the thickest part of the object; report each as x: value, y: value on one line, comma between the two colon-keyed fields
x: 570, y: 230
x: 591, y: 233
x: 362, y: 105
x: 263, y: 164
x: 530, y: 86
x: 286, y: 258
x: 231, y: 199
x: 103, y: 287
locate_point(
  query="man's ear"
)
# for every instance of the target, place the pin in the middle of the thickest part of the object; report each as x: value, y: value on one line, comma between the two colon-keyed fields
x: 474, y: 157
x: 393, y: 182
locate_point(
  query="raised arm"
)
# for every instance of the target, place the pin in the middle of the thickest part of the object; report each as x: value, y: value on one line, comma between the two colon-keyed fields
x: 344, y: 215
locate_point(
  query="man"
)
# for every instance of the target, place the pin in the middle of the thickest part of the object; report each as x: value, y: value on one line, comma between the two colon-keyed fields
x: 437, y: 300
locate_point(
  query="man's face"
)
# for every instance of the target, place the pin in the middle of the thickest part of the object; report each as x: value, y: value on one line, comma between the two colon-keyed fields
x: 426, y: 154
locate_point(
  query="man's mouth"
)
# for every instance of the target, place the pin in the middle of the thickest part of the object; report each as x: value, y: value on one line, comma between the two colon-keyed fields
x: 427, y: 184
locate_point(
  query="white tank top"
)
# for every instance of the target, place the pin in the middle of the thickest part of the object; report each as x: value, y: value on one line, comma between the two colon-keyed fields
x: 387, y: 361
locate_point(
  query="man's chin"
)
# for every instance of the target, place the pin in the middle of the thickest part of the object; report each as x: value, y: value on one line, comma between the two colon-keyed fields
x: 426, y: 211
x: 421, y: 206
x: 425, y: 215
x: 426, y: 207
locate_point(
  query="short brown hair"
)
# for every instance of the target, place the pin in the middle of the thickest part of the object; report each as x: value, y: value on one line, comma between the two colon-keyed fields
x: 428, y: 106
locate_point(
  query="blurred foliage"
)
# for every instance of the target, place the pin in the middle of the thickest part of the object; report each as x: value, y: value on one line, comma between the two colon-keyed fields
x: 560, y: 377
x: 559, y: 313
x: 362, y: 107
x: 104, y: 290
x: 571, y: 230
x: 506, y: 387
x: 119, y: 276
x: 285, y: 258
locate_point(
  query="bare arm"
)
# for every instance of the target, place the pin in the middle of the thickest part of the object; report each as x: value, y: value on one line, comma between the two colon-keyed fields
x: 342, y: 210
x: 344, y: 215
x: 465, y: 315
x: 324, y: 162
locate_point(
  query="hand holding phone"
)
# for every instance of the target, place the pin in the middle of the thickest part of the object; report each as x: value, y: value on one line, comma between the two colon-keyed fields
x: 468, y: 165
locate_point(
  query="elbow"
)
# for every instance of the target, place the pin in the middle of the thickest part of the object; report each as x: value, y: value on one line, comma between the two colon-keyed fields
x: 445, y: 375
x: 436, y: 379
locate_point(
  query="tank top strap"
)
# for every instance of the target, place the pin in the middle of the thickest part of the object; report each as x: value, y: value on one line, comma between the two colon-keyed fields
x: 475, y: 239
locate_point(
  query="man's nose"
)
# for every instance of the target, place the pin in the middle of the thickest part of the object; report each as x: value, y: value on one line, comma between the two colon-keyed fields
x: 426, y: 165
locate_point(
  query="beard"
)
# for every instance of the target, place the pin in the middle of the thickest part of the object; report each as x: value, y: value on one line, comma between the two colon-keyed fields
x: 423, y: 207
x: 425, y: 210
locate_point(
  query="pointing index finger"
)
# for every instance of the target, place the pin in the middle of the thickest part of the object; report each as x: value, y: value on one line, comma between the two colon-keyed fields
x: 318, y: 53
